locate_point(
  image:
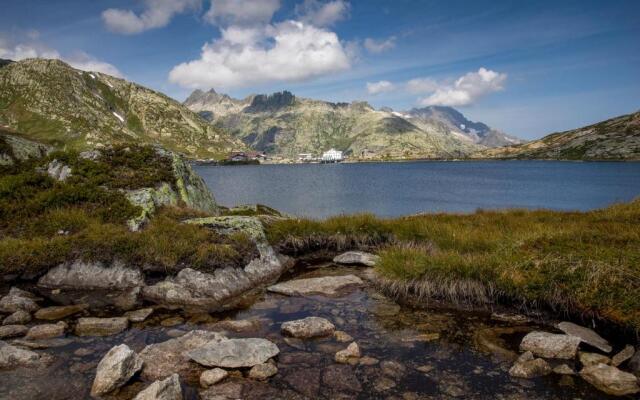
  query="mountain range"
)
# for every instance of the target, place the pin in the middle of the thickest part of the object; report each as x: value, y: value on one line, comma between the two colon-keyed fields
x: 285, y: 125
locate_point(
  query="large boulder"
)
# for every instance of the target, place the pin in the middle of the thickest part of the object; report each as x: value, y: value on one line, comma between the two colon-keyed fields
x: 80, y: 275
x: 610, y: 380
x: 15, y: 357
x: 549, y: 345
x: 308, y: 327
x: 168, y: 389
x: 115, y: 369
x: 586, y: 335
x: 235, y: 353
x: 18, y: 300
x: 357, y: 258
x: 326, y: 285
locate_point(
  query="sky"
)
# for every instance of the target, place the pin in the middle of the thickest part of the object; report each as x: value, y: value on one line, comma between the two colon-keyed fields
x: 527, y: 68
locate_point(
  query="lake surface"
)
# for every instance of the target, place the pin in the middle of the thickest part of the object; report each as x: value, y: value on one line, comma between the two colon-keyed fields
x: 394, y: 189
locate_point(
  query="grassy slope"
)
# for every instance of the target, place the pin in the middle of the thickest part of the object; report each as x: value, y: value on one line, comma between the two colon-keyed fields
x: 580, y: 262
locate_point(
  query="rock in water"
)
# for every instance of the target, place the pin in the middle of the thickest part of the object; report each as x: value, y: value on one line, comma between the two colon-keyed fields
x: 529, y: 367
x: 234, y: 353
x: 586, y: 335
x: 549, y: 345
x: 139, y: 315
x: 168, y: 389
x: 262, y: 372
x: 18, y: 300
x: 115, y: 369
x: 634, y: 363
x: 623, y: 355
x: 59, y: 312
x: 357, y: 257
x: 327, y: 285
x: 14, y: 357
x: 610, y: 380
x: 350, y: 355
x: 46, y: 331
x: 101, y: 326
x: 308, y: 327
x: 212, y: 376
x: 11, y: 331
x: 589, y: 359
x: 19, y: 317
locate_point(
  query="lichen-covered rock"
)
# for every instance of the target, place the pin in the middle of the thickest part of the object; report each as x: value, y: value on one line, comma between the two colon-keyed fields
x: 90, y: 326
x: 138, y: 315
x: 611, y: 380
x: 549, y: 345
x: 80, y: 275
x: 115, y: 369
x: 357, y: 257
x: 308, y: 327
x: 235, y: 353
x: 168, y: 389
x: 58, y: 171
x: 326, y: 285
x: 21, y: 149
x: 586, y: 335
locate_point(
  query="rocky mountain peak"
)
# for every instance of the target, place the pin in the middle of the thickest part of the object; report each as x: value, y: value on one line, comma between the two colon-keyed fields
x: 272, y: 102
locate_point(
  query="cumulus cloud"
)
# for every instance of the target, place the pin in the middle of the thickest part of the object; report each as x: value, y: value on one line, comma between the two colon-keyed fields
x: 241, y: 12
x: 287, y: 51
x: 323, y: 14
x: 379, y: 46
x: 467, y: 89
x: 156, y: 14
x: 421, y: 85
x: 380, y: 87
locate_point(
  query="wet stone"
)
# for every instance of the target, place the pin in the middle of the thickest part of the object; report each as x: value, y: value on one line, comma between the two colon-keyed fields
x: 263, y: 371
x: 308, y: 327
x: 393, y: 369
x: 172, y: 321
x: 19, y: 317
x: 168, y: 389
x: 46, y: 331
x: 588, y: 359
x: 12, y: 331
x: 101, y: 326
x: 59, y: 312
x: 350, y: 355
x: 139, y: 315
x: 368, y: 361
x: 234, y: 353
x: 340, y: 378
x: 610, y: 380
x: 212, y: 376
x: 586, y: 335
x: 304, y: 380
x: 624, y: 355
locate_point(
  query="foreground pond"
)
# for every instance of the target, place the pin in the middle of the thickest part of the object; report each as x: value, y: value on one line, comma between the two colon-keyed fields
x: 406, y: 353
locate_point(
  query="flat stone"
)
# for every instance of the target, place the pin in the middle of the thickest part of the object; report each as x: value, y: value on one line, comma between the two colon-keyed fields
x: 234, y: 353
x: 43, y: 343
x: 19, y: 317
x: 12, y: 331
x: 350, y: 355
x: 161, y: 360
x: 46, y: 331
x: 15, y: 357
x: 549, y: 345
x: 212, y: 376
x: 59, y: 312
x: 308, y: 327
x: 610, y: 380
x: 624, y: 355
x: 172, y: 321
x: 586, y: 335
x: 232, y: 390
x: 326, y: 285
x: 588, y: 359
x: 115, y: 369
x: 357, y: 257
x: 17, y: 300
x: 138, y: 315
x: 341, y: 378
x: 242, y: 325
x: 263, y: 372
x: 168, y: 389
x: 526, y: 366
x: 101, y: 326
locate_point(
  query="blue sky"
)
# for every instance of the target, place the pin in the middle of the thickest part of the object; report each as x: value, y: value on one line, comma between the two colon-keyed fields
x: 528, y: 68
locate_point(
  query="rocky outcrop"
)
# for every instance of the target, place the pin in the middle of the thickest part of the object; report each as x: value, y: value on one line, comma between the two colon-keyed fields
x: 17, y: 148
x: 115, y: 369
x: 327, y: 285
x: 611, y: 380
x: 308, y: 327
x: 357, y: 258
x: 168, y: 389
x: 139, y: 315
x: 586, y: 335
x: 549, y: 345
x: 80, y: 275
x: 234, y: 353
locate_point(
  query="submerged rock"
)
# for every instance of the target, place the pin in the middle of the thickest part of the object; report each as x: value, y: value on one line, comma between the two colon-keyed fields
x: 342, y: 336
x: 357, y: 257
x: 610, y: 380
x: 549, y: 345
x: 19, y: 317
x: 327, y: 285
x: 563, y: 369
x: 308, y: 327
x: 586, y: 335
x: 168, y: 389
x: 59, y: 312
x: 624, y: 355
x: 263, y: 372
x: 212, y: 376
x: 18, y: 300
x: 526, y: 366
x: 350, y: 355
x: 234, y: 353
x: 115, y: 369
x: 11, y: 331
x: 15, y: 357
x: 101, y: 326
x: 46, y: 331
x: 138, y: 315
x: 341, y: 378
x: 80, y: 275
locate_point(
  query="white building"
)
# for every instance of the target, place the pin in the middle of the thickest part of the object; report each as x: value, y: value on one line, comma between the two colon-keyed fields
x: 332, y: 155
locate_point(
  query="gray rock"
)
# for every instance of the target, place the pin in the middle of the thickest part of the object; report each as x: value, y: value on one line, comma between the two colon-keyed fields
x: 59, y: 312
x: 588, y: 359
x: 263, y: 372
x: 350, y: 355
x: 326, y: 285
x: 586, y: 335
x: 357, y: 257
x: 115, y: 369
x: 101, y: 326
x: 526, y: 366
x: 19, y: 317
x: 549, y: 345
x: 634, y: 363
x: 610, y: 380
x: 624, y: 355
x: 212, y: 376
x: 138, y: 315
x: 17, y: 300
x: 58, y: 170
x: 161, y: 360
x: 15, y: 357
x: 81, y: 275
x: 234, y: 353
x: 168, y: 389
x: 308, y: 327
x: 46, y: 331
x: 11, y: 331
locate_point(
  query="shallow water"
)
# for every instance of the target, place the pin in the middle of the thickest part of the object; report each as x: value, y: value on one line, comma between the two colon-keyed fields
x: 442, y: 343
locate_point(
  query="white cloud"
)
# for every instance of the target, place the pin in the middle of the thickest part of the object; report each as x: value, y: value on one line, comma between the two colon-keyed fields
x: 421, y: 85
x: 323, y: 14
x: 379, y: 46
x: 288, y: 51
x: 86, y: 62
x: 380, y: 87
x: 157, y: 13
x: 241, y: 12
x: 466, y: 89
